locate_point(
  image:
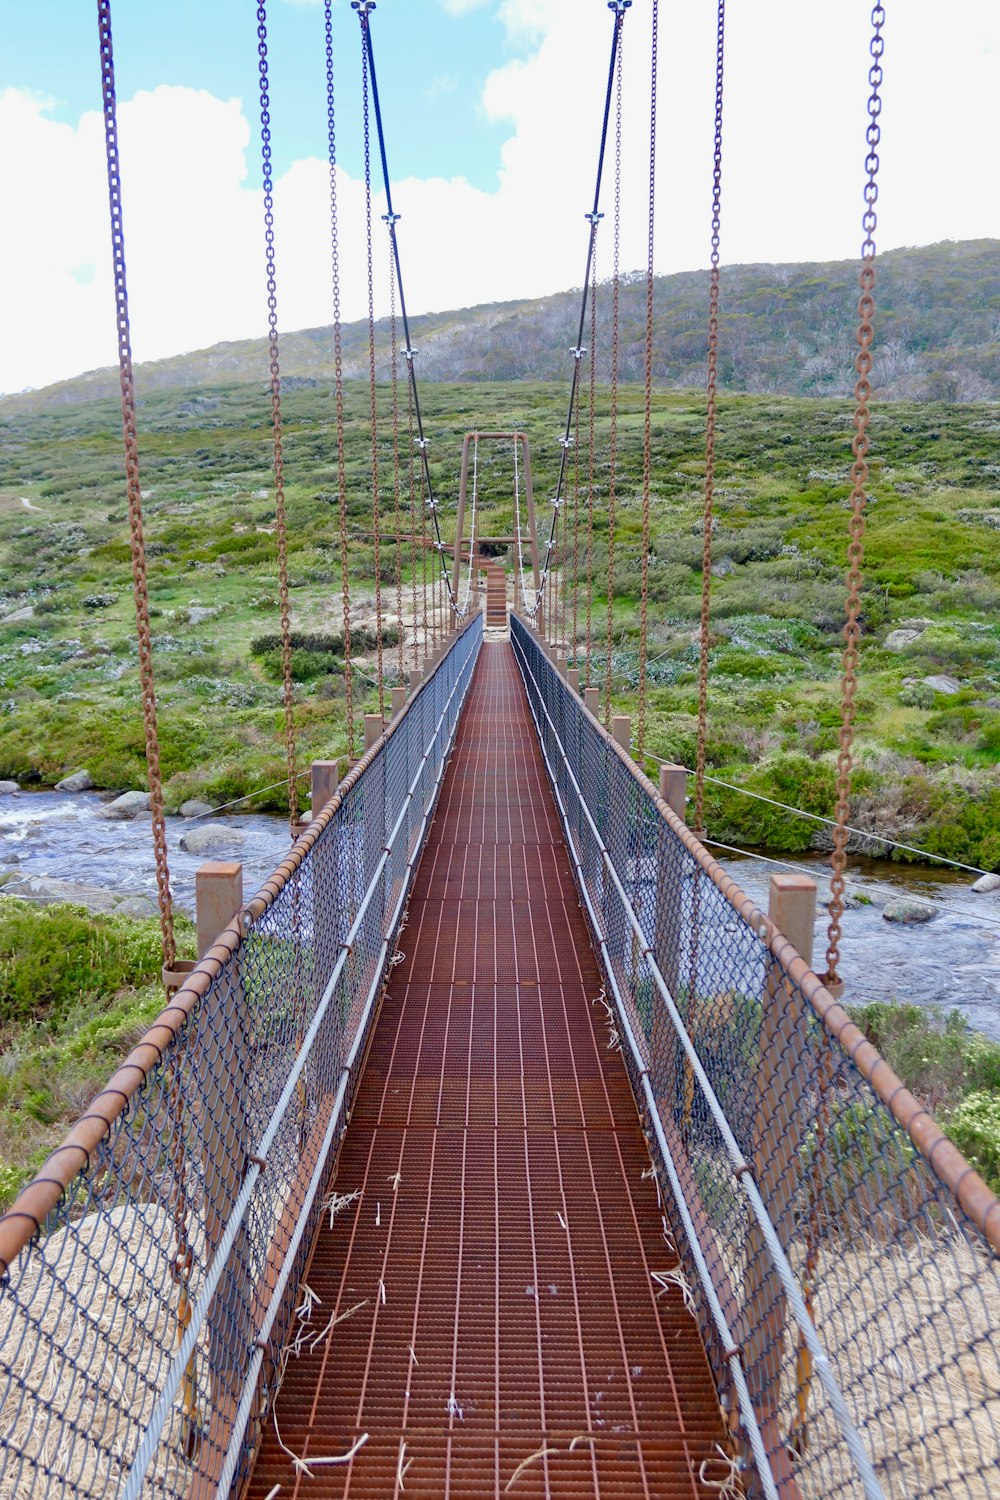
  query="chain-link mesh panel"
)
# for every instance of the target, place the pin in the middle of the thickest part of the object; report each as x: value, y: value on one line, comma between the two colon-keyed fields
x: 746, y: 1088
x: 147, y: 1314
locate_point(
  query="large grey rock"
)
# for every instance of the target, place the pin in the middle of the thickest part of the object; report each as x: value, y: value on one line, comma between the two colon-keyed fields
x: 45, y: 890
x: 79, y: 781
x: 196, y: 809
x: 900, y: 640
x: 209, y: 837
x: 943, y: 684
x: 723, y: 567
x: 907, y: 913
x: 128, y: 805
x: 198, y: 614
x: 27, y: 613
x: 987, y: 883
x: 6, y: 787
x: 136, y: 906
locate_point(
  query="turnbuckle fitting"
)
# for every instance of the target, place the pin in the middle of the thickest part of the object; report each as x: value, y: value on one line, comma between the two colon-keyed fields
x: 593, y: 219
x: 391, y: 219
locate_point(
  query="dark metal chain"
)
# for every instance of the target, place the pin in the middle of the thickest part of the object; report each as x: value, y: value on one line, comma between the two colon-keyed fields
x: 338, y: 368
x: 133, y: 490
x: 860, y: 445
x: 647, y: 429
x: 713, y: 386
x: 616, y: 287
x: 371, y: 364
x: 281, y: 527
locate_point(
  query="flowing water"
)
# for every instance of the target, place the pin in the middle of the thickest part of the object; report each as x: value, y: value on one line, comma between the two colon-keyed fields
x: 952, y: 961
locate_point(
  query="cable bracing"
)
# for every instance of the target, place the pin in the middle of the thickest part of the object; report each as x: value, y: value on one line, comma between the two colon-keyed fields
x: 391, y: 219
x: 463, y: 608
x: 619, y: 7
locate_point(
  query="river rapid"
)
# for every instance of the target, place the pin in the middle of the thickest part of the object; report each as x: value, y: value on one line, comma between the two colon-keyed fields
x: 952, y: 962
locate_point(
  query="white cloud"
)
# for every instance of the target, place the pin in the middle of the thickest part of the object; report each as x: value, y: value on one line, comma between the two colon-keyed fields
x: 462, y: 7
x: 795, y: 118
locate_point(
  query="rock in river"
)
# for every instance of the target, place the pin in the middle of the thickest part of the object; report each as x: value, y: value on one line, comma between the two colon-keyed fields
x: 987, y: 883
x: 45, y: 890
x: 6, y: 787
x: 129, y: 805
x: 80, y: 781
x: 909, y: 913
x: 209, y: 838
x: 196, y: 809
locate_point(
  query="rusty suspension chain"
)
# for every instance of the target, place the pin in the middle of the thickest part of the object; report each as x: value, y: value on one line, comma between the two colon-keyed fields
x: 338, y: 366
x: 647, y: 430
x: 591, y: 440
x: 710, y: 423
x: 133, y: 490
x: 860, y: 445
x: 376, y: 519
x: 281, y: 527
x: 397, y: 518
x: 616, y: 288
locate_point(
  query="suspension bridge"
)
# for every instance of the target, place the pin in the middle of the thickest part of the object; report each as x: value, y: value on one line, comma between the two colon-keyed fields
x: 499, y: 1145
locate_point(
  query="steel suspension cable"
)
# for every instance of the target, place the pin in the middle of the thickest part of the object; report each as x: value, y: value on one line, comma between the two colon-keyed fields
x: 397, y: 518
x: 277, y: 425
x: 338, y: 378
x: 616, y: 287
x: 713, y: 383
x: 376, y: 520
x: 647, y: 431
x: 133, y: 489
x: 591, y: 422
x: 412, y: 473
x: 364, y: 9
x: 619, y: 7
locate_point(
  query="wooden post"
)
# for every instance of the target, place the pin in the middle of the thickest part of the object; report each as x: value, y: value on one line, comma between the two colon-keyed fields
x: 673, y: 789
x: 562, y: 665
x: 529, y: 495
x: 374, y: 729
x: 782, y: 1077
x: 621, y: 730
x: 325, y: 781
x: 416, y: 678
x: 218, y: 895
x: 460, y: 526
x: 398, y: 700
x: 592, y: 700
x: 573, y: 678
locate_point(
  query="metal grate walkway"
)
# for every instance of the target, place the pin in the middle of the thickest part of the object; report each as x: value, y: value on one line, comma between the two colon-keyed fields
x: 502, y: 1331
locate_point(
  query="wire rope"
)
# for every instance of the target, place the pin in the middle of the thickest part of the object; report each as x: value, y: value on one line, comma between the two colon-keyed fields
x: 372, y: 388
x: 647, y: 443
x: 616, y: 287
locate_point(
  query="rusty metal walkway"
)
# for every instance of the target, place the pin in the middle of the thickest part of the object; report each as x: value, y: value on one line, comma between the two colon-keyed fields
x: 502, y: 1328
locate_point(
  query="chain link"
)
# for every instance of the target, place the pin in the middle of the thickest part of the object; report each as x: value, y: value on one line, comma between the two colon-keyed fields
x: 397, y: 517
x: 615, y: 332
x: 371, y: 362
x: 413, y: 521
x: 338, y: 366
x: 647, y: 430
x: 591, y: 449
x: 133, y: 490
x: 713, y: 387
x: 281, y: 527
x: 860, y: 445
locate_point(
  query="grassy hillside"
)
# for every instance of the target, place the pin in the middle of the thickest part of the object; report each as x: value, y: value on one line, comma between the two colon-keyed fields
x: 785, y: 329
x: 68, y: 676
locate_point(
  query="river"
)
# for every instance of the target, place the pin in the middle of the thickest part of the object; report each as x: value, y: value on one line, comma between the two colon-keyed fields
x: 952, y: 962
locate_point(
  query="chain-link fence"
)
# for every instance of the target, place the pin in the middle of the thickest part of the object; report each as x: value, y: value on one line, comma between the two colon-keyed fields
x: 840, y: 1255
x: 152, y: 1271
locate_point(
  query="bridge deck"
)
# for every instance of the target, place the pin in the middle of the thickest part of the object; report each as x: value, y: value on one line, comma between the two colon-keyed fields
x: 495, y: 1275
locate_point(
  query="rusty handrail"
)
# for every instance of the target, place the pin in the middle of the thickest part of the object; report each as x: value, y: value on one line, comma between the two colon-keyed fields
x: 24, y: 1219
x: 944, y: 1158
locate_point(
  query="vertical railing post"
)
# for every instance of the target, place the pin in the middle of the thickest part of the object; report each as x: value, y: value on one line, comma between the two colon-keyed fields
x: 374, y: 729
x: 782, y: 1077
x: 592, y: 700
x: 621, y: 730
x: 673, y: 789
x: 398, y: 700
x: 220, y: 1063
x: 325, y: 781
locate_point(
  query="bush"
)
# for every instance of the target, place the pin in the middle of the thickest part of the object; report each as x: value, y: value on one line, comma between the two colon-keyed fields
x: 975, y: 1128
x: 51, y: 957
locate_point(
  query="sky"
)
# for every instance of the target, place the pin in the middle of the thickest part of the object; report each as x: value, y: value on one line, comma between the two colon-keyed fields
x: 492, y: 111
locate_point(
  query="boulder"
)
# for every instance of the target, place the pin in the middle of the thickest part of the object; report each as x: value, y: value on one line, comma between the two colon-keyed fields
x: 198, y: 614
x: 943, y: 684
x: 27, y: 613
x: 136, y: 906
x: 987, y: 883
x: 195, y: 809
x: 79, y: 781
x: 907, y: 913
x: 127, y: 806
x: 723, y: 567
x: 900, y: 640
x: 7, y: 787
x: 209, y: 838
